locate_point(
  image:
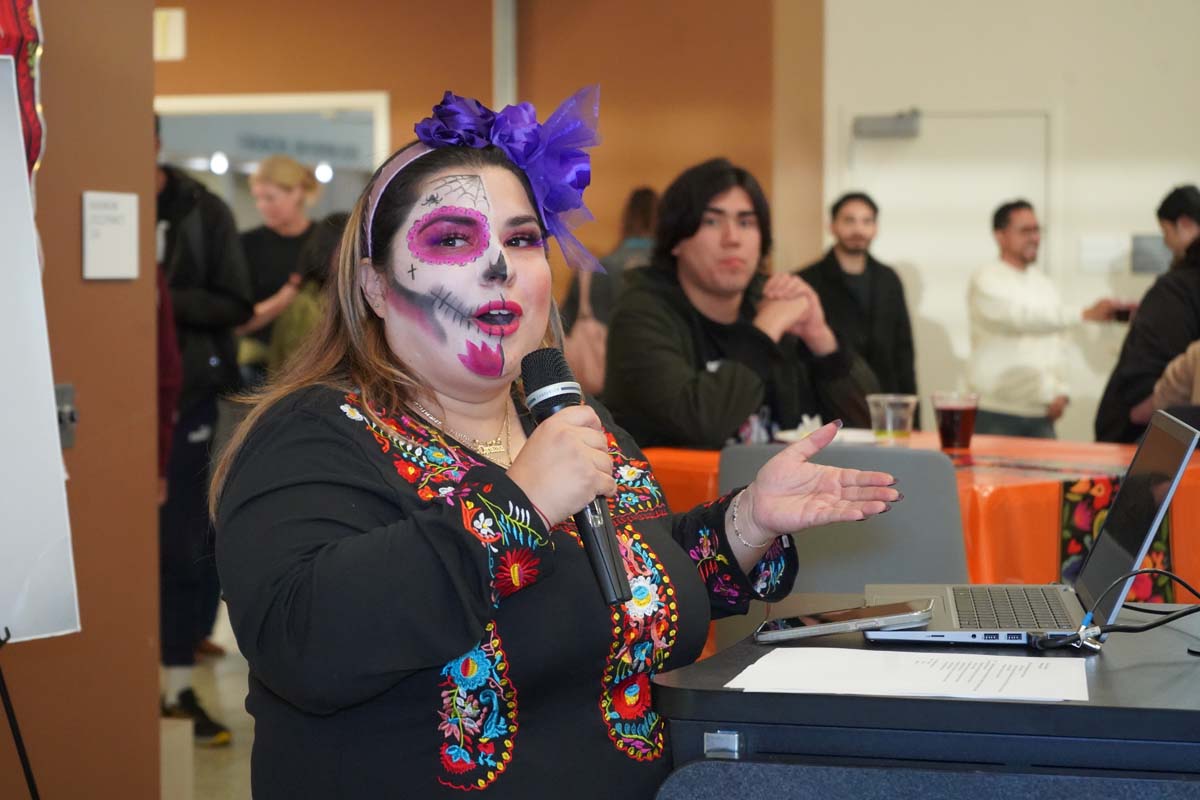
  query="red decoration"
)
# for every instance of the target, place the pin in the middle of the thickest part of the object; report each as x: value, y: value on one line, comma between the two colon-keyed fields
x: 21, y: 38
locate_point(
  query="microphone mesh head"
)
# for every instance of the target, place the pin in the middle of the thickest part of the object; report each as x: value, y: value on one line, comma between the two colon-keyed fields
x: 544, y: 367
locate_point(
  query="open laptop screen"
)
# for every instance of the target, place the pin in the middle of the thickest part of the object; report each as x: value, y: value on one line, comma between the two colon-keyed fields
x: 1136, y: 513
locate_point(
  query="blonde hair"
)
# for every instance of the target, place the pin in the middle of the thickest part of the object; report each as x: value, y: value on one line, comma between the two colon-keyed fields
x: 348, y: 350
x: 288, y: 173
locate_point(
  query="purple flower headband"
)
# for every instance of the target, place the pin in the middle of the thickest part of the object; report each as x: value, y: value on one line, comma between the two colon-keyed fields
x: 550, y: 154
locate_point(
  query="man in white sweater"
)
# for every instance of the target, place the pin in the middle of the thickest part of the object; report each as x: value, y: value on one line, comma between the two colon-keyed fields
x: 1017, y: 320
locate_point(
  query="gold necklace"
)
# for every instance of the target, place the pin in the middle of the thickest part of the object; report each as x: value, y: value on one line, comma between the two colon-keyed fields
x: 496, y: 449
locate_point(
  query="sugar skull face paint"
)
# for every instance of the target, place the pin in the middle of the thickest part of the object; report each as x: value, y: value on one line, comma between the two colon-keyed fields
x: 468, y: 288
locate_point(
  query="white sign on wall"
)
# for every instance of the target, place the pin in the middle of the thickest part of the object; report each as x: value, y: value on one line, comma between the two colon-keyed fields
x: 37, y: 570
x: 110, y: 235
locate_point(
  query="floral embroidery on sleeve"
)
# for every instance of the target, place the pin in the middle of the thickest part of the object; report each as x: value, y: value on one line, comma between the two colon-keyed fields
x: 769, y: 579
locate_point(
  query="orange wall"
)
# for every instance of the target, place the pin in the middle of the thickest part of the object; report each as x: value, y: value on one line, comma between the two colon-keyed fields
x: 798, y: 104
x: 88, y: 702
x: 409, y: 49
x: 680, y: 82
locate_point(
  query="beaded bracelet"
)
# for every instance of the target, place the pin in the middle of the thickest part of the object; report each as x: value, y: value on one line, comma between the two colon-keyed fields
x: 734, y: 509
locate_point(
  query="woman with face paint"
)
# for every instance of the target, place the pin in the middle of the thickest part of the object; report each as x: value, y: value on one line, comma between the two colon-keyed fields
x: 394, y: 536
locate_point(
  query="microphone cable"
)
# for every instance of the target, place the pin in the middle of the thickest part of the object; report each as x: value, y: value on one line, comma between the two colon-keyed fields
x: 1087, y: 635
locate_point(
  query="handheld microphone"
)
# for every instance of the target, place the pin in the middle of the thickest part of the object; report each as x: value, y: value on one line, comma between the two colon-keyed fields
x: 549, y: 388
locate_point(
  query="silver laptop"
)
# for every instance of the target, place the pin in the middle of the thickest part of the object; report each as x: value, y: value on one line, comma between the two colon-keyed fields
x: 1010, y: 614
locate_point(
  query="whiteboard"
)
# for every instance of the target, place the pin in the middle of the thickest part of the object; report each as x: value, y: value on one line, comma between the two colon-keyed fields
x: 37, y: 570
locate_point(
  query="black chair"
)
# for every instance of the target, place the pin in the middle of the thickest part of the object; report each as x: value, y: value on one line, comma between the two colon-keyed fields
x: 748, y: 780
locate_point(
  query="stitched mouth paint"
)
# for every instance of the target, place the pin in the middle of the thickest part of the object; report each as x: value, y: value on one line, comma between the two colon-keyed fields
x: 498, y: 317
x: 483, y: 359
x: 421, y: 309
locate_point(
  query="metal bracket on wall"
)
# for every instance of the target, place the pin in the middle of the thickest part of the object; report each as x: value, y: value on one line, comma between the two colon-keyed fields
x: 68, y: 415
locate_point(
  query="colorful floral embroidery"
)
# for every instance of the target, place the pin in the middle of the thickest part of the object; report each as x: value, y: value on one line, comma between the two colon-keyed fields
x: 766, y: 577
x: 518, y: 567
x: 1085, y: 508
x: 478, y: 716
x: 713, y: 566
x: 479, y: 703
x: 422, y: 457
x: 638, y: 495
x: 644, y: 631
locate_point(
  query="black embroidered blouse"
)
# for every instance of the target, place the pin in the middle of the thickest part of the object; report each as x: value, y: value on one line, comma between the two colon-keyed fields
x: 413, y: 630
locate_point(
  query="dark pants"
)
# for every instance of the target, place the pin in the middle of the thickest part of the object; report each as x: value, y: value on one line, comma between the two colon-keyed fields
x: 1012, y: 425
x: 187, y: 569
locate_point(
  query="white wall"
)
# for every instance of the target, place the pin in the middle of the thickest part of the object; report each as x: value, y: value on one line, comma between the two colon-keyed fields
x: 1116, y: 79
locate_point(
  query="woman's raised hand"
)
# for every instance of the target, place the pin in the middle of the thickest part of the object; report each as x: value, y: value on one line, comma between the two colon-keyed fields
x: 791, y: 493
x: 565, y: 464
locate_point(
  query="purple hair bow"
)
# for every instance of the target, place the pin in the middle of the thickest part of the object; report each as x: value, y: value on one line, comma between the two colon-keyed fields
x: 551, y: 154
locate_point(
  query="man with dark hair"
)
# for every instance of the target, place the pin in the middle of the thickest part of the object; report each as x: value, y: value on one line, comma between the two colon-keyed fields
x: 703, y: 347
x: 209, y: 285
x: 863, y: 298
x: 1167, y: 321
x: 1017, y: 321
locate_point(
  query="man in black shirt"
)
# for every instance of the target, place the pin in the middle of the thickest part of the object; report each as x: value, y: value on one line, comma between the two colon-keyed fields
x: 210, y: 290
x: 703, y: 347
x: 863, y: 298
x: 1167, y: 321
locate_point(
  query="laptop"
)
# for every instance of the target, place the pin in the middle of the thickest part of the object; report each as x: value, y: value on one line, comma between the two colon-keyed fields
x: 1010, y: 614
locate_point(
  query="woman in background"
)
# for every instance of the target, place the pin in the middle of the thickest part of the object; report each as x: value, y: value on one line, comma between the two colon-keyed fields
x: 284, y: 190
x: 305, y: 312
x: 592, y: 295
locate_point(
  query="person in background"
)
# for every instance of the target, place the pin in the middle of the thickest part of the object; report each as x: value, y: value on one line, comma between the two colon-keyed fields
x: 591, y: 295
x: 1017, y: 322
x: 283, y: 190
x: 395, y: 535
x: 209, y: 287
x: 306, y: 311
x: 704, y: 348
x: 170, y: 377
x: 1166, y: 323
x: 1178, y: 386
x: 633, y: 251
x: 863, y: 298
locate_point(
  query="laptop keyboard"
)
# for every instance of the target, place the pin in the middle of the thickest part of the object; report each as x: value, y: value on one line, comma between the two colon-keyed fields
x: 1021, y: 607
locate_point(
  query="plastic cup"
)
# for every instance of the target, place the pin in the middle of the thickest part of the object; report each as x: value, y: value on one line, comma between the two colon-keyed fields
x: 892, y: 416
x: 955, y: 412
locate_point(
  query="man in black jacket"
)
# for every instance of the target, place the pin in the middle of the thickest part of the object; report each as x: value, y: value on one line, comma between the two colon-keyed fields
x: 1167, y: 321
x: 209, y: 284
x: 864, y: 299
x: 703, y: 348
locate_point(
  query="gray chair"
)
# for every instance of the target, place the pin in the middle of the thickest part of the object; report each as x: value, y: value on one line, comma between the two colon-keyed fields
x: 919, y: 540
x: 718, y: 780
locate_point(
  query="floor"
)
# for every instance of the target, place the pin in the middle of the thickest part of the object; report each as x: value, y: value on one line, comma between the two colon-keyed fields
x: 223, y: 773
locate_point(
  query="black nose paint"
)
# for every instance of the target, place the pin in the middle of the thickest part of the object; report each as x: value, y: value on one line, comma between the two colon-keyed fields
x: 497, y: 270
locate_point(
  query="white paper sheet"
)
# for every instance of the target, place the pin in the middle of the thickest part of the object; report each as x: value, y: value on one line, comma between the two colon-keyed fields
x: 831, y: 670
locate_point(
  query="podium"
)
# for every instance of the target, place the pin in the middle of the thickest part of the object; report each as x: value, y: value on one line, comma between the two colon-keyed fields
x: 1142, y: 718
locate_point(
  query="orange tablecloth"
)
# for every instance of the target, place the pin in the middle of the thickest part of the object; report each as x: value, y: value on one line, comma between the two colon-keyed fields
x: 1011, y: 516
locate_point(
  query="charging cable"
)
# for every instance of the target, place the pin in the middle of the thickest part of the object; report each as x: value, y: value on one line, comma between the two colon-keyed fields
x: 1088, y: 635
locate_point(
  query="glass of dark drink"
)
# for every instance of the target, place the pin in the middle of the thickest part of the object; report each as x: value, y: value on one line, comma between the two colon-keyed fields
x: 955, y: 412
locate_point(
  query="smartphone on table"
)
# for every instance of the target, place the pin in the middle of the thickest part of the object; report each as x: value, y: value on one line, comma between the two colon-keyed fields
x: 887, y: 617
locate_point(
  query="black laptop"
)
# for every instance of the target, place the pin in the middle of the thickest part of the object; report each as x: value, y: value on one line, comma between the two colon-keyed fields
x: 1011, y: 614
